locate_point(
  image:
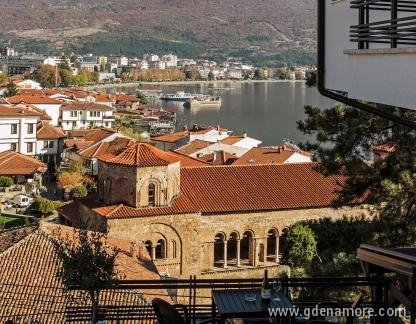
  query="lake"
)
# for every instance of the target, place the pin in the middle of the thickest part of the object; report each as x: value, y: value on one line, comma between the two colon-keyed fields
x: 267, y: 111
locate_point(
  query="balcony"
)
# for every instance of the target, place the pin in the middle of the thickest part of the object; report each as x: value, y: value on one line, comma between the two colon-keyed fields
x: 370, y: 49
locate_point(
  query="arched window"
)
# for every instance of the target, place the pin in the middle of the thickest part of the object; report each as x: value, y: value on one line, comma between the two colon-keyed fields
x: 148, y: 245
x: 173, y: 249
x: 232, y: 249
x: 246, y: 249
x: 219, y: 250
x: 160, y: 249
x: 152, y: 194
x: 272, y: 246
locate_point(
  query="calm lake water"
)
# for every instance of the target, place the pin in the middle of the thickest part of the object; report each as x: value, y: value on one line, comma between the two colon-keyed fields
x: 267, y: 111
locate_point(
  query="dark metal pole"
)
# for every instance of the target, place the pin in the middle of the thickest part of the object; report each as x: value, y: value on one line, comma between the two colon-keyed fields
x: 394, y: 23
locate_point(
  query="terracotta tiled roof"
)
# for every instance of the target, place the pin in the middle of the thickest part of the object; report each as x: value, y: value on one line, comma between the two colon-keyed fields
x: 172, y: 138
x: 31, y: 290
x: 186, y: 161
x: 140, y: 155
x: 267, y: 155
x: 46, y: 131
x: 200, y: 129
x: 12, y: 236
x: 231, y: 140
x: 33, y: 99
x: 103, y: 97
x: 18, y: 112
x: 123, y: 98
x: 225, y: 189
x: 193, y: 147
x: 13, y: 163
x: 113, y: 147
x: 77, y: 105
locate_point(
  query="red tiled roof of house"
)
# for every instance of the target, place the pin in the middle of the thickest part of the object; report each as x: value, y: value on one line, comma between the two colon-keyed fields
x: 13, y: 163
x: 46, y: 131
x: 78, y: 105
x: 33, y: 99
x: 231, y: 140
x: 121, y: 97
x: 200, y: 129
x: 98, y: 134
x: 31, y: 290
x: 267, y: 155
x: 40, y: 92
x: 193, y: 147
x: 18, y: 112
x: 171, y: 138
x: 113, y: 147
x: 139, y: 155
x: 103, y: 97
x: 186, y: 161
x: 225, y: 189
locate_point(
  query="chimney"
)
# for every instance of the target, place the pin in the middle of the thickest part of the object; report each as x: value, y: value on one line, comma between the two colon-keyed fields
x: 245, y: 134
x: 214, y: 156
x: 218, y: 127
x: 279, y: 150
x: 184, y: 128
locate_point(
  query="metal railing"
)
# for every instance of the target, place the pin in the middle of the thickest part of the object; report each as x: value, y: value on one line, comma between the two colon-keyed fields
x: 394, y: 31
x: 196, y: 294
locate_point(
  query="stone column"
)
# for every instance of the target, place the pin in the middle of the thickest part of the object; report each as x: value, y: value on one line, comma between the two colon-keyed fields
x: 153, y: 253
x: 225, y: 254
x: 238, y: 253
x: 277, y: 249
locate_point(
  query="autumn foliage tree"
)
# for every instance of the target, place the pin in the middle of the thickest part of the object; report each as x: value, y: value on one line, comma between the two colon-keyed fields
x: 47, y: 75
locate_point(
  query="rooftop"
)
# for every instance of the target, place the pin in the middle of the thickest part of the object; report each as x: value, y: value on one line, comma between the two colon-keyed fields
x: 76, y: 105
x: 18, y: 112
x: 33, y: 99
x: 267, y: 155
x: 193, y: 147
x: 46, y: 131
x: 172, y: 138
x: 13, y: 163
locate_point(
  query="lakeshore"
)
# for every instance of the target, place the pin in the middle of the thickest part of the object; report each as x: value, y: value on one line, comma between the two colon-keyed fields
x: 181, y: 83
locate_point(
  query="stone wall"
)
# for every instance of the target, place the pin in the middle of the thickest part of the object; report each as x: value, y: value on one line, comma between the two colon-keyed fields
x: 190, y: 238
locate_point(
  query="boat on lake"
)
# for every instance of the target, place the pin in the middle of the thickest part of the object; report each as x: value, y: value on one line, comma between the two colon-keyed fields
x: 204, y: 101
x: 178, y: 96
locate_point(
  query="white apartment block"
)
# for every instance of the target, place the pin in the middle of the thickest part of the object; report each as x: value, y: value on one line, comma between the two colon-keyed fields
x: 84, y: 115
x: 18, y: 130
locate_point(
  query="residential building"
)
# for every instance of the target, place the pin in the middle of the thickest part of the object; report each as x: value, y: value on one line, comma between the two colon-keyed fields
x: 120, y: 61
x: 208, y: 133
x: 242, y: 141
x: 171, y: 142
x: 234, y: 73
x: 81, y: 115
x: 151, y: 57
x: 18, y: 129
x: 20, y: 64
x: 7, y: 51
x: 170, y: 60
x: 49, y: 105
x: 273, y: 155
x: 29, y: 84
x: 23, y: 169
x: 50, y: 142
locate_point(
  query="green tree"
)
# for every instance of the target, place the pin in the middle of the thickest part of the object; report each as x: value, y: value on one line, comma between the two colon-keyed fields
x: 88, y: 262
x: 144, y: 100
x: 211, y: 76
x: 344, y: 143
x: 47, y: 75
x: 11, y: 90
x: 299, y: 248
x: 311, y: 78
x: 82, y: 191
x: 259, y: 74
x: 6, y: 181
x: 44, y: 206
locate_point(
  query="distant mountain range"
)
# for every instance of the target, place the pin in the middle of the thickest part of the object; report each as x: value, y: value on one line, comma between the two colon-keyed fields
x: 270, y: 30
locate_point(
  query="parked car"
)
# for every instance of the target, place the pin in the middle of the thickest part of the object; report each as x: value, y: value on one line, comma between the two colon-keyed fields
x: 22, y: 200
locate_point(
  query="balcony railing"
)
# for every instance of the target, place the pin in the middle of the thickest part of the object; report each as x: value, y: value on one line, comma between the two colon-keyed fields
x: 394, y: 31
x: 196, y: 294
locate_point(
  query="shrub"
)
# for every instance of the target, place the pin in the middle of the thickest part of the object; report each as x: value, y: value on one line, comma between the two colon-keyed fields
x: 44, y: 206
x: 81, y: 191
x: 6, y: 181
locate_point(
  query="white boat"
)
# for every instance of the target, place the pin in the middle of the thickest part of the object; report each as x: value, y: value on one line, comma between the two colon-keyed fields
x: 203, y: 101
x: 178, y: 96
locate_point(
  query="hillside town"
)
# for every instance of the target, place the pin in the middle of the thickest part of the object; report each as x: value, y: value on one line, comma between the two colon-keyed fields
x: 151, y: 67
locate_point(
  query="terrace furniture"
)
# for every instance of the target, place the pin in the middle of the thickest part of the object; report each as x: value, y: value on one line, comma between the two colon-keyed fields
x: 233, y: 303
x: 168, y: 314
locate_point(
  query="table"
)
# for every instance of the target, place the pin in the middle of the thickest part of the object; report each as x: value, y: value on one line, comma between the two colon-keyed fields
x: 232, y: 304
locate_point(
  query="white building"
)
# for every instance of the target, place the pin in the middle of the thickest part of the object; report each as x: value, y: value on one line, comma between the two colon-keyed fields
x: 84, y: 115
x: 18, y: 129
x: 170, y: 60
x: 120, y: 61
x: 151, y: 57
x: 29, y: 84
x: 49, y: 144
x: 234, y: 73
x: 50, y: 106
x: 209, y: 134
x: 374, y: 62
x: 157, y: 65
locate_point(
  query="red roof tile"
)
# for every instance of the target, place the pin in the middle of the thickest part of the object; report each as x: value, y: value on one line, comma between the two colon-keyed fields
x: 171, y: 138
x: 231, y: 140
x: 267, y: 155
x: 33, y: 99
x: 46, y: 131
x: 193, y: 147
x: 121, y: 97
x: 78, y: 105
x: 139, y: 155
x: 13, y: 163
x: 226, y: 189
x: 18, y: 112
